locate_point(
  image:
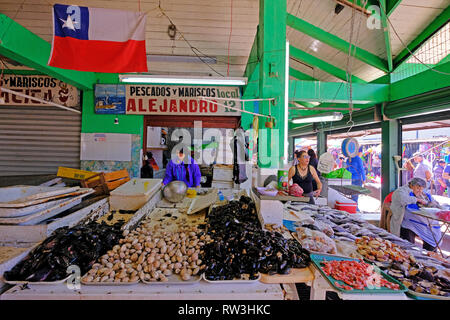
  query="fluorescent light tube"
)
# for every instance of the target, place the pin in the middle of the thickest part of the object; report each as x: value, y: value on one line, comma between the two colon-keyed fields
x: 158, y: 79
x: 334, y: 116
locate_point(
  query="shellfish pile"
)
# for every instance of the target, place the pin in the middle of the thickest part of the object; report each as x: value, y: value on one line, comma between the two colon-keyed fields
x: 377, y: 249
x: 149, y: 254
x: 81, y: 245
x: 421, y: 279
x: 241, y: 247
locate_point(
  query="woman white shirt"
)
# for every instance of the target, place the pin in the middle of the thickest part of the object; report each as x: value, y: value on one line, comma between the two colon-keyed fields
x: 421, y: 225
x: 400, y: 199
x: 404, y: 200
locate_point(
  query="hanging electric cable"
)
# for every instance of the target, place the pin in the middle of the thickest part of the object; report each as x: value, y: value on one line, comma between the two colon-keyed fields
x: 350, y: 63
x: 407, y: 48
x: 229, y: 38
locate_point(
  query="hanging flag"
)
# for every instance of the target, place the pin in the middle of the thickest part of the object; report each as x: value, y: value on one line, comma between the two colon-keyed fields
x: 98, y: 40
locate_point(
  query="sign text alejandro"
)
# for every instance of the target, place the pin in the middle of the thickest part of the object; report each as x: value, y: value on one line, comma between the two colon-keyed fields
x: 165, y: 100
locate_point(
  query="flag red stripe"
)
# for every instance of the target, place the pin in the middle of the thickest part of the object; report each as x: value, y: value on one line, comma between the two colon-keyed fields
x: 98, y: 56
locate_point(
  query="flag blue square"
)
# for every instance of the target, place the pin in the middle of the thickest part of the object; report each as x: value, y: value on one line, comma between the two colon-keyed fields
x: 71, y: 21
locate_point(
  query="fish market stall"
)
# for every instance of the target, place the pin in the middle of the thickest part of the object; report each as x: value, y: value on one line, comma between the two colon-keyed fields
x: 335, y: 233
x: 179, y: 274
x: 436, y: 219
x: 228, y: 250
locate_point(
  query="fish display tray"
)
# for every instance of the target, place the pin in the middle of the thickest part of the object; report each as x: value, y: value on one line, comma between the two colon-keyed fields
x: 232, y: 281
x: 108, y: 284
x: 175, y: 279
x: 424, y: 296
x: 350, y: 189
x: 37, y: 282
x: 318, y: 258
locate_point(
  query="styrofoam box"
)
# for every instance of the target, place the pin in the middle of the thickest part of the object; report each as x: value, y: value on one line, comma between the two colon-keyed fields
x: 133, y: 194
x: 269, y: 211
x: 222, y: 184
x: 222, y: 173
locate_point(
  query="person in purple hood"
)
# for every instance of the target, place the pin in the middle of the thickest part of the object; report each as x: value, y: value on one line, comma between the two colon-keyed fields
x: 183, y: 169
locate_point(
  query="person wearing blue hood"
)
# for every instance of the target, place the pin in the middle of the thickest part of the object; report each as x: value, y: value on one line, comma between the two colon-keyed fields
x: 184, y: 169
x: 355, y: 166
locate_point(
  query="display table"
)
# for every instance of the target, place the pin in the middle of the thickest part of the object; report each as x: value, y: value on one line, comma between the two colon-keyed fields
x: 320, y: 286
x: 445, y: 224
x: 351, y: 190
x: 199, y: 291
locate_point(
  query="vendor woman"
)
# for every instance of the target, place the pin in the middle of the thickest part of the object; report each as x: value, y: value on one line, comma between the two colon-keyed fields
x: 406, y: 224
x: 183, y: 168
x: 303, y: 174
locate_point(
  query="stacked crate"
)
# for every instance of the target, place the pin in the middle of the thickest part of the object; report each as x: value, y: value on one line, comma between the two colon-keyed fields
x: 222, y: 176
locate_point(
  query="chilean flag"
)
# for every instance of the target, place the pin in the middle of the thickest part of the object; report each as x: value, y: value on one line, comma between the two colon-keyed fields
x: 98, y: 40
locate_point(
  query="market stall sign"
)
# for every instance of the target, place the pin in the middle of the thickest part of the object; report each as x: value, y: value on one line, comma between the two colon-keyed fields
x: 42, y: 87
x: 166, y: 100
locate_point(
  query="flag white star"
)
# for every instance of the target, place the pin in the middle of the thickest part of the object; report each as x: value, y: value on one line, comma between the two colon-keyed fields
x: 69, y: 23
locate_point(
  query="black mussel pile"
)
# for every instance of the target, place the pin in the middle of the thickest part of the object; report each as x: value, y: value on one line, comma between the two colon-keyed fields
x: 240, y: 246
x: 81, y: 245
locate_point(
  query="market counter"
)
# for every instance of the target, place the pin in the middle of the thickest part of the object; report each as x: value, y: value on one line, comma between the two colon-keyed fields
x: 140, y: 291
x: 296, y: 275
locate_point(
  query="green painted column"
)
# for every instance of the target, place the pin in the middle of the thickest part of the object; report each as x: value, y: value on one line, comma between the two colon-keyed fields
x: 290, y: 148
x: 272, y: 81
x: 321, y: 143
x: 390, y: 146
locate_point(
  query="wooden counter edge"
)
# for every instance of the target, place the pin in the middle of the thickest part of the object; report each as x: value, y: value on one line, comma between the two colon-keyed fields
x: 296, y: 275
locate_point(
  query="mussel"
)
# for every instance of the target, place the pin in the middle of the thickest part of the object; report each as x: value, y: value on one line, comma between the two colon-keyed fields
x: 237, y: 233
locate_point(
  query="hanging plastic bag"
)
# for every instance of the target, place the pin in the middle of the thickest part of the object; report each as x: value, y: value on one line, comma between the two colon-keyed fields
x: 326, y: 163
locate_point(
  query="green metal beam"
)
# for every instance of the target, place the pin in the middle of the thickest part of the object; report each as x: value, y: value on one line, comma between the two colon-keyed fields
x: 305, y: 104
x: 445, y: 60
x: 422, y: 82
x: 431, y: 29
x: 391, y: 5
x: 272, y: 148
x: 325, y: 66
x: 387, y: 36
x: 23, y: 46
x: 360, y: 3
x: 336, y: 42
x: 312, y: 111
x: 300, y: 75
x: 253, y: 58
x: 427, y: 103
x: 363, y: 93
x: 251, y: 90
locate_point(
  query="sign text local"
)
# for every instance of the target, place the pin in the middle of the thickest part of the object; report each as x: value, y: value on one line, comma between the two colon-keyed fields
x: 168, y: 100
x: 42, y: 87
